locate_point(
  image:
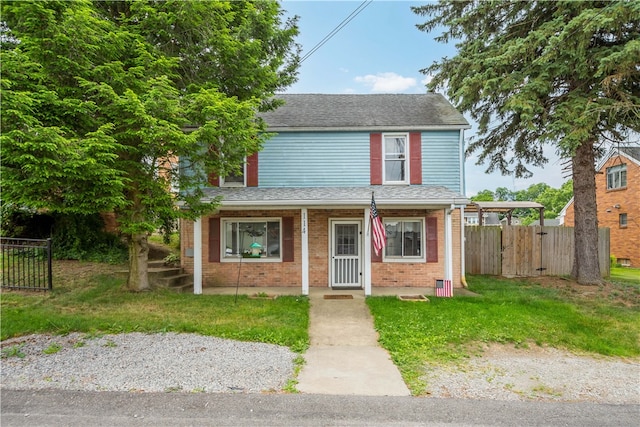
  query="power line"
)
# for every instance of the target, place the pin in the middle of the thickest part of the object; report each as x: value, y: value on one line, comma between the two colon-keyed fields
x: 340, y: 26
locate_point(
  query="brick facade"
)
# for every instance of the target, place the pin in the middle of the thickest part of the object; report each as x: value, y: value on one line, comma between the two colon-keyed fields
x: 383, y: 274
x: 624, y: 241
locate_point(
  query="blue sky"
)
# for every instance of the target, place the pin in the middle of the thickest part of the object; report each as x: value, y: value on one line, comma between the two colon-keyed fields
x: 382, y: 51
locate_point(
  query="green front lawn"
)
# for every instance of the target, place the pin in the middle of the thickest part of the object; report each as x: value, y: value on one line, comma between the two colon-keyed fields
x: 99, y: 304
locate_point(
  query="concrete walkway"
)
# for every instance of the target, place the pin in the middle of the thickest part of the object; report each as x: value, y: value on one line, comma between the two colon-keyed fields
x: 344, y: 357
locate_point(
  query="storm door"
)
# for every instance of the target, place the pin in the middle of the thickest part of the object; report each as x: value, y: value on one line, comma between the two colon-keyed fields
x: 346, y: 263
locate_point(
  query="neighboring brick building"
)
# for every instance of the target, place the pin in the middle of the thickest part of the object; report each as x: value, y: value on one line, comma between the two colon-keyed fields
x: 618, y: 199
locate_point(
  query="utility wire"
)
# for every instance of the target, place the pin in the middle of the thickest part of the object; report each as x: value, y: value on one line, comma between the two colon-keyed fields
x: 340, y: 26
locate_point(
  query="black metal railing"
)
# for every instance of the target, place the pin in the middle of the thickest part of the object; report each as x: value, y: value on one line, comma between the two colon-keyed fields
x: 26, y: 263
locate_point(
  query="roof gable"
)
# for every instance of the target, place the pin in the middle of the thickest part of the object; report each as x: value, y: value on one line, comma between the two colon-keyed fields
x: 630, y: 152
x: 357, y: 112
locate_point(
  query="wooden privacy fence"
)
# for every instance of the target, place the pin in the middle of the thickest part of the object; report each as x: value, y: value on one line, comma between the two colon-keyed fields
x: 526, y: 251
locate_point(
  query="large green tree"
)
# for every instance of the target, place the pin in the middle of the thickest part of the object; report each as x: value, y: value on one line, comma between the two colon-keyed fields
x: 100, y: 99
x: 553, y: 199
x: 532, y: 73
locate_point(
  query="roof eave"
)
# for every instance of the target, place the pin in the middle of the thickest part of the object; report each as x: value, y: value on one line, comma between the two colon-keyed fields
x: 320, y: 204
x: 394, y: 128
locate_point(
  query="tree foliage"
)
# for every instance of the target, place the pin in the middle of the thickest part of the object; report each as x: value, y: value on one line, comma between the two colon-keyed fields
x: 553, y: 199
x: 532, y: 73
x: 96, y: 97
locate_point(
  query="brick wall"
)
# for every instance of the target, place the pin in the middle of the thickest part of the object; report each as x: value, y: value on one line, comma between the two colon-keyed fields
x: 252, y: 273
x: 625, y: 241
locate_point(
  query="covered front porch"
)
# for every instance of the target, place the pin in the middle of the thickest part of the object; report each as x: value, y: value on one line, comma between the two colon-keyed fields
x: 326, y: 240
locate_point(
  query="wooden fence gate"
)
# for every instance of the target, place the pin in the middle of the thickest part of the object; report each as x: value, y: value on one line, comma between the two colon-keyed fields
x: 526, y: 251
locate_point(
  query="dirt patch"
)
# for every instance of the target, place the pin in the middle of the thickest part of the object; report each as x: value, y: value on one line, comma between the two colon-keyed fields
x: 504, y: 372
x: 616, y: 293
x: 73, y: 271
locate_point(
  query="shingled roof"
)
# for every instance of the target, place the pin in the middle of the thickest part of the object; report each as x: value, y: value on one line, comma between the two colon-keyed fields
x: 418, y: 196
x: 384, y: 112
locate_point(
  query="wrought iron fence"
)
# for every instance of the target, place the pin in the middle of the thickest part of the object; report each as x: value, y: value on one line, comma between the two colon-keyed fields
x: 26, y: 263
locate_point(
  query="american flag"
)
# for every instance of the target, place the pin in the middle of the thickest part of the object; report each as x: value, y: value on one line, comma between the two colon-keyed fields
x: 444, y: 288
x: 379, y: 233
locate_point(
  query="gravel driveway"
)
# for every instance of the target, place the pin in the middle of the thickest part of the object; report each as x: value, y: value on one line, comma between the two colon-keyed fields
x: 538, y: 373
x: 193, y: 363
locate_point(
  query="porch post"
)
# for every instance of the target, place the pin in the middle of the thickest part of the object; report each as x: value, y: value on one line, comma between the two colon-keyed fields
x: 463, y: 266
x: 197, y: 256
x: 366, y: 271
x: 448, y: 244
x: 304, y: 230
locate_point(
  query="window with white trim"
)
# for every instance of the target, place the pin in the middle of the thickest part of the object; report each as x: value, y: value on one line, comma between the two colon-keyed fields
x: 235, y: 179
x: 396, y: 158
x: 404, y: 239
x: 622, y: 220
x: 616, y: 177
x: 256, y: 238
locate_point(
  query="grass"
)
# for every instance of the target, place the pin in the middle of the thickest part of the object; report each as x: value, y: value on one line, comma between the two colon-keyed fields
x: 100, y: 304
x: 521, y: 313
x: 625, y: 275
x: 174, y: 241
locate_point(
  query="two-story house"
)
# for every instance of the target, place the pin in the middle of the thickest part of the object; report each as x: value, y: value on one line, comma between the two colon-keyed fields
x: 618, y: 200
x: 300, y: 214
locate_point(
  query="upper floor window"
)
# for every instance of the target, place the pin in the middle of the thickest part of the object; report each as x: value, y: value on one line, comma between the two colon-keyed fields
x: 404, y: 239
x: 257, y: 238
x: 396, y: 155
x: 616, y: 177
x: 235, y: 179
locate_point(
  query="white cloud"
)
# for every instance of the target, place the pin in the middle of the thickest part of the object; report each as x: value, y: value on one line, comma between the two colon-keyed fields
x: 387, y: 82
x: 426, y: 80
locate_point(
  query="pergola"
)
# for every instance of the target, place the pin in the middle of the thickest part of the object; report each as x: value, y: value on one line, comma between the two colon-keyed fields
x: 506, y: 208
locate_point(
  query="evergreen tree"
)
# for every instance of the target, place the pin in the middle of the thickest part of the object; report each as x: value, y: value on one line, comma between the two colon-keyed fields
x: 544, y: 72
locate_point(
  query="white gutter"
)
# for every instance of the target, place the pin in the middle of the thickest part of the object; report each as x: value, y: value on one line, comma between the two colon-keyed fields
x: 436, y: 203
x: 284, y: 129
x: 463, y: 189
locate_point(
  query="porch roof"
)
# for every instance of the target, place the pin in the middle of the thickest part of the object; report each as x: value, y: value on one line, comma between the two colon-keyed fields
x: 410, y: 196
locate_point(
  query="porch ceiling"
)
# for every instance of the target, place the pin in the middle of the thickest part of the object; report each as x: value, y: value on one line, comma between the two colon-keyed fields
x: 410, y: 196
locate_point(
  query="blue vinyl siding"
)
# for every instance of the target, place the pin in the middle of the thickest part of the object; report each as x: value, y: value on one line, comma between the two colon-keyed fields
x: 441, y: 159
x: 320, y: 159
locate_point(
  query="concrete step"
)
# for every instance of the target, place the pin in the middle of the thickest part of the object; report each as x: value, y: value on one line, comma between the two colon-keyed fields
x: 159, y: 272
x: 174, y: 281
x: 156, y: 264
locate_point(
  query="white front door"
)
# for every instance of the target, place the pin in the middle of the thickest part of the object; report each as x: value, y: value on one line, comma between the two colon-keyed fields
x: 346, y: 249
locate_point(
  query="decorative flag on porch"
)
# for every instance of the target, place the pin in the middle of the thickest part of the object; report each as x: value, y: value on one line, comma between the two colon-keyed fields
x: 444, y: 288
x: 379, y: 233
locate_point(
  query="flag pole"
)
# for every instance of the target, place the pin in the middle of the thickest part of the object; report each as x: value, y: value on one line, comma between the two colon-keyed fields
x: 369, y: 222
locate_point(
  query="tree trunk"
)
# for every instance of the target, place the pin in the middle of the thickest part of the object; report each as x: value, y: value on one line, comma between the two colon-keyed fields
x: 586, y: 267
x: 138, y: 263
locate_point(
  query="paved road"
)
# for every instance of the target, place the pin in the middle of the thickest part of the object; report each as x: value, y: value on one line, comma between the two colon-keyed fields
x: 71, y: 408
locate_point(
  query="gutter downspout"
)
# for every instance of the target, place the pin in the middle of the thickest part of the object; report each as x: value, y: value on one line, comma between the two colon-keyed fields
x: 463, y: 279
x: 463, y: 267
